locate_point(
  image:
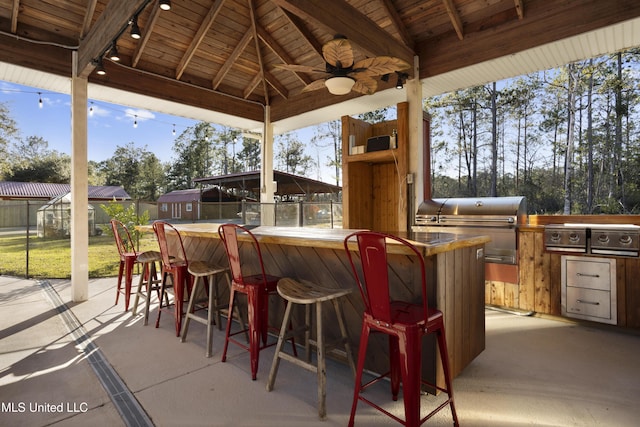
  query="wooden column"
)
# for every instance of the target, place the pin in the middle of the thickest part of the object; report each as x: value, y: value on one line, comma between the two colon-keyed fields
x: 79, y: 188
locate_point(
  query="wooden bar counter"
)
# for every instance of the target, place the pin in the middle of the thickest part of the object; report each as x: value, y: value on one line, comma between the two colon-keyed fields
x: 455, y: 274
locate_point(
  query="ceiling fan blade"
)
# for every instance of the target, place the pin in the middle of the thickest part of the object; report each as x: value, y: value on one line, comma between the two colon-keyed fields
x: 318, y: 84
x: 338, y: 53
x: 365, y: 86
x: 378, y: 66
x: 299, y: 68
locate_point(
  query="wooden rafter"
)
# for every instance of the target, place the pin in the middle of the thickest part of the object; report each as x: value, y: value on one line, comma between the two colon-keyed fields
x: 520, y: 9
x: 341, y: 18
x: 197, y: 39
x: 275, y: 47
x: 304, y: 32
x: 146, y: 35
x: 242, y: 44
x: 101, y: 35
x: 397, y: 23
x: 15, y: 9
x: 256, y: 40
x: 88, y: 16
x: 454, y: 16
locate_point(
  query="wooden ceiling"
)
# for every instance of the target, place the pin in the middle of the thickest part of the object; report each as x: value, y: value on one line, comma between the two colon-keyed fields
x: 220, y: 55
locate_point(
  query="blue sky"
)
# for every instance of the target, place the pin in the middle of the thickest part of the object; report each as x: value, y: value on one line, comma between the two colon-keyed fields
x: 110, y: 126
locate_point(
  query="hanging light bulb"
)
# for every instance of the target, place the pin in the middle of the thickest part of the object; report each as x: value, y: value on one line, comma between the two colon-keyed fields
x: 135, y: 30
x: 40, y: 104
x: 100, y: 68
x: 173, y: 132
x: 91, y: 110
x: 113, y: 53
x: 135, y: 121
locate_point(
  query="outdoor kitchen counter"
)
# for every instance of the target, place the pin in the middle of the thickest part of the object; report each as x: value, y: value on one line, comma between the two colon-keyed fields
x: 455, y: 274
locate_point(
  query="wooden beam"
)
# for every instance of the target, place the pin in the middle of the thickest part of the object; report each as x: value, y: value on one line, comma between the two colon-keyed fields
x: 454, y: 16
x: 543, y: 25
x: 146, y: 35
x: 88, y: 17
x: 341, y: 18
x: 197, y: 39
x: 396, y: 20
x: 256, y: 40
x: 114, y: 17
x: 135, y: 81
x: 275, y: 47
x: 15, y: 9
x: 519, y: 9
x: 242, y: 44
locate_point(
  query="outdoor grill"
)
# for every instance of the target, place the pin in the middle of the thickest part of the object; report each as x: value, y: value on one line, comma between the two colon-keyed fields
x: 597, y: 239
x: 496, y: 217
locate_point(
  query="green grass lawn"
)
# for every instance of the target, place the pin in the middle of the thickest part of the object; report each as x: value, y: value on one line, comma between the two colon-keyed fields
x: 51, y: 258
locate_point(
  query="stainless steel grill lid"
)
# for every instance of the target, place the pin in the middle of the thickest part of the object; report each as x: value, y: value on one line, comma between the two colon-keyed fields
x: 511, y: 210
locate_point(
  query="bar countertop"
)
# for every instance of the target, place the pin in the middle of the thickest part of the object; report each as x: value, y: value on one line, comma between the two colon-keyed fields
x: 430, y: 243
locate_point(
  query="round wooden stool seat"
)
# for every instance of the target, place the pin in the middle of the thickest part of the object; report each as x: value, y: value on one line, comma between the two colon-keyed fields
x: 309, y: 294
x: 305, y: 292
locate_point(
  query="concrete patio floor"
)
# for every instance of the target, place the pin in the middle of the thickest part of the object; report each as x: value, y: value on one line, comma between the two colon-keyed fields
x: 67, y: 364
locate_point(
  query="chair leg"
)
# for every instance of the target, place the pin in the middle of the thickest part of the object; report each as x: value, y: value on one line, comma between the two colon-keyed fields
x: 232, y: 294
x: 153, y: 284
x: 256, y: 312
x: 163, y: 295
x: 444, y: 355
x: 410, y: 367
x: 145, y: 278
x: 362, y: 352
x: 276, y: 359
x: 212, y: 281
x: 187, y: 320
x: 394, y: 366
x: 322, y: 365
x: 120, y: 271
x: 345, y: 335
x: 129, y: 263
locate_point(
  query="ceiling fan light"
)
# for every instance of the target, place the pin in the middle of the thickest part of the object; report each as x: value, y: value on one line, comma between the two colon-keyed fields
x: 339, y: 85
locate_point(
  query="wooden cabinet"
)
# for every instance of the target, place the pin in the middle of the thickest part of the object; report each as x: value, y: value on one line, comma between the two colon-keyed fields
x: 374, y: 184
x: 589, y: 288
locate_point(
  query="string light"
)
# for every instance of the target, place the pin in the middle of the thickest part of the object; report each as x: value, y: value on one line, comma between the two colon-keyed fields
x: 93, y: 110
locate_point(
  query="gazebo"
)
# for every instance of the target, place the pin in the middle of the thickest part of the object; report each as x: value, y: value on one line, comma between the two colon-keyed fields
x: 221, y: 62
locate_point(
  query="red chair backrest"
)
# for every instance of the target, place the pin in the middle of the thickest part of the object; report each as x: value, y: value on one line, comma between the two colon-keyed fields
x: 229, y: 236
x: 124, y: 242
x: 159, y: 228
x: 374, y: 284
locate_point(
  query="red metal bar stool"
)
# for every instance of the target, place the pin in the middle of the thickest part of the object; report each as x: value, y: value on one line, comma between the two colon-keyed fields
x: 257, y: 288
x: 206, y: 276
x: 406, y: 324
x: 128, y: 258
x: 149, y: 282
x: 309, y: 294
x: 175, y: 267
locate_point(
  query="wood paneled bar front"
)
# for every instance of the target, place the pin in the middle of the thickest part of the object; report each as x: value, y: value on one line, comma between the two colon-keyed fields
x: 455, y: 274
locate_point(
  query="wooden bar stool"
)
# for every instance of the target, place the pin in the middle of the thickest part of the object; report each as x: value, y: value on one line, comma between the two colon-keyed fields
x: 205, y: 275
x: 309, y: 294
x: 148, y: 282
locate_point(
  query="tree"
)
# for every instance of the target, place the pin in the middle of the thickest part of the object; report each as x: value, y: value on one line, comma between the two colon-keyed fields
x: 193, y: 149
x: 331, y: 131
x: 248, y: 159
x: 8, y: 132
x: 291, y: 157
x: 32, y: 161
x: 137, y: 170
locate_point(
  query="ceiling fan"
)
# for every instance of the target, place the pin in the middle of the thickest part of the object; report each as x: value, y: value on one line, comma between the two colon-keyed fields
x: 341, y: 74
